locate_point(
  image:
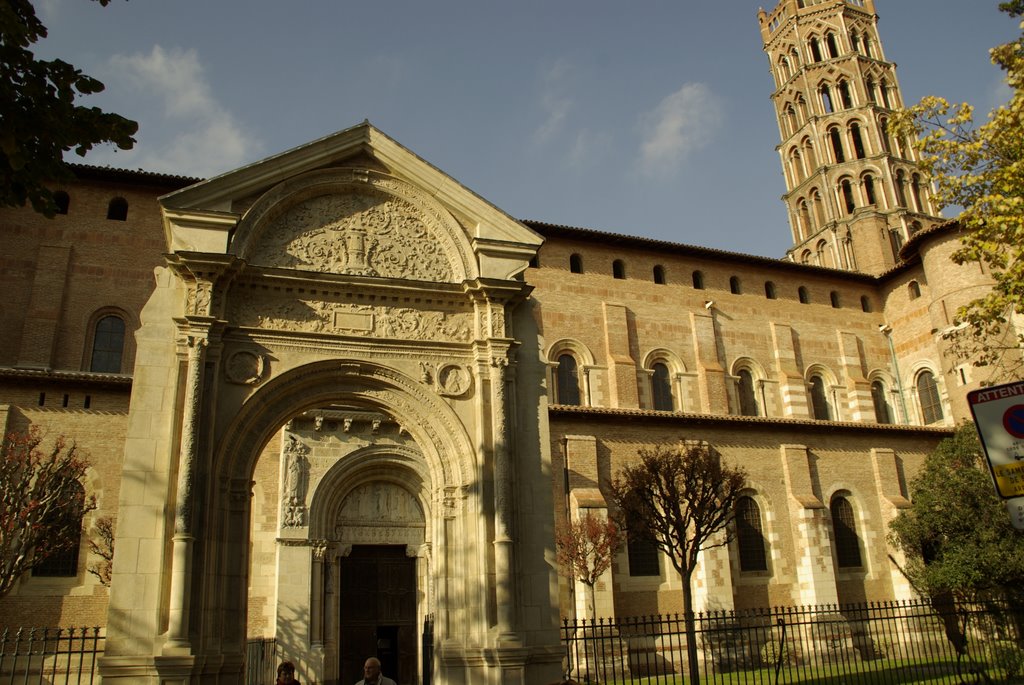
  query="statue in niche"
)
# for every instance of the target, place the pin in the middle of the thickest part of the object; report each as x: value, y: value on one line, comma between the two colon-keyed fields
x: 296, y: 482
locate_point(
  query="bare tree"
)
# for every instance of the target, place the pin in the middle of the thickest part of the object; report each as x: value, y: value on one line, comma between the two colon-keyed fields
x: 586, y: 549
x: 42, y: 502
x: 102, y: 545
x: 684, y: 498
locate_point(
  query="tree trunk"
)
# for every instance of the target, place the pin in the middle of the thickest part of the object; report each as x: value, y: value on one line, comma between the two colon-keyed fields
x: 593, y: 601
x: 691, y: 628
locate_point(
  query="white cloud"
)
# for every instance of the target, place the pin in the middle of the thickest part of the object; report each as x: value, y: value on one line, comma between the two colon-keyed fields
x: 587, y: 146
x: 183, y: 129
x: 683, y: 122
x: 555, y: 103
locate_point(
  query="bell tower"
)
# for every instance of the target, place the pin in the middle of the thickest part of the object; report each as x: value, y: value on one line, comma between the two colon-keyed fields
x: 853, y: 191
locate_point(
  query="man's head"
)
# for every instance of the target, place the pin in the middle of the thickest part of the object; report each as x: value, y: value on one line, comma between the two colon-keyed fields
x: 286, y: 672
x: 371, y: 670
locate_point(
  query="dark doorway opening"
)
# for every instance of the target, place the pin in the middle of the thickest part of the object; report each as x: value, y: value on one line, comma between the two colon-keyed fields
x: 378, y: 612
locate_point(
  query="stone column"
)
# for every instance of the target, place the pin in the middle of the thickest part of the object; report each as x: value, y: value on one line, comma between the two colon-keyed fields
x: 181, y: 561
x: 503, y: 526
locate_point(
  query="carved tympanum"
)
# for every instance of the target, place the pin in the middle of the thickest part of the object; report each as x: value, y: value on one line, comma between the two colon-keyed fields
x: 363, y: 232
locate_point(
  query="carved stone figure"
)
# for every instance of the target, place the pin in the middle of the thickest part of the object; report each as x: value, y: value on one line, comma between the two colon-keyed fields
x: 296, y: 483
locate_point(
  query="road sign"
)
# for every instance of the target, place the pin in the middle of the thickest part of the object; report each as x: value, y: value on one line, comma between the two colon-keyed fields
x: 999, y: 416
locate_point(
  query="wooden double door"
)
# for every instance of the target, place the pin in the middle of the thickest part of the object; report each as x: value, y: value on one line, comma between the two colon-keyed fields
x: 377, y: 612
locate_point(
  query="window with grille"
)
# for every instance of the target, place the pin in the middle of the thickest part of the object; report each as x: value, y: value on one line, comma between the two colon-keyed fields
x: 661, y: 388
x: 819, y: 402
x: 107, y: 345
x: 844, y: 526
x: 750, y: 536
x: 928, y: 397
x: 643, y: 555
x: 748, y: 400
x: 568, y: 380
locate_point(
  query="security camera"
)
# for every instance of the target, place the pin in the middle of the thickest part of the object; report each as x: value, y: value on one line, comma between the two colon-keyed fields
x: 708, y: 304
x: 884, y: 328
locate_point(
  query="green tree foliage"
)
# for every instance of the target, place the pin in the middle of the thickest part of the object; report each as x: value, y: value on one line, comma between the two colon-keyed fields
x: 39, y: 120
x: 685, y: 500
x: 956, y: 536
x: 42, y: 502
x: 980, y: 168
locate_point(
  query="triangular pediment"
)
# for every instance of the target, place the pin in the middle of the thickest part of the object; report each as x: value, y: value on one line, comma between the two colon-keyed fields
x: 355, y: 202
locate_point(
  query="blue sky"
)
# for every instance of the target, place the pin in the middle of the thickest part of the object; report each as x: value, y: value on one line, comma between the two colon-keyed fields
x: 647, y: 117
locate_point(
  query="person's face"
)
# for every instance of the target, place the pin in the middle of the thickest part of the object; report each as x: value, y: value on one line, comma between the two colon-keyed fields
x: 285, y: 676
x: 371, y: 669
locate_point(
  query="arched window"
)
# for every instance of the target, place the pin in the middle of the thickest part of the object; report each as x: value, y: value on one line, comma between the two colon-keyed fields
x: 844, y: 527
x: 847, y: 190
x: 826, y: 99
x: 62, y: 200
x: 805, y: 258
x: 865, y: 303
x: 901, y: 189
x: 796, y: 166
x: 802, y: 294
x: 64, y: 563
x: 830, y: 43
x: 869, y: 88
x: 821, y: 255
x: 807, y: 228
x: 698, y: 280
x: 815, y: 50
x: 117, y: 210
x: 858, y: 141
x: 869, y: 190
x: 745, y: 389
x: 819, y: 400
x: 914, y: 290
x: 833, y: 297
x: 107, y: 345
x: 734, y: 285
x: 836, y: 139
x: 819, y: 208
x: 642, y: 552
x: 618, y: 269
x: 885, y: 94
x: 868, y: 45
x: 855, y: 41
x: 880, y: 399
x: 883, y: 128
x: 568, y: 380
x: 791, y: 120
x: 750, y: 536
x: 769, y: 290
x: 928, y: 397
x: 661, y: 388
x: 576, y: 264
x: 845, y: 99
x: 915, y: 191
x: 659, y: 274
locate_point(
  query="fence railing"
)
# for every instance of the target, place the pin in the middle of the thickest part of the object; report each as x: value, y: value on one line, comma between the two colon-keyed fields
x: 260, y: 660
x: 884, y: 642
x: 54, y: 656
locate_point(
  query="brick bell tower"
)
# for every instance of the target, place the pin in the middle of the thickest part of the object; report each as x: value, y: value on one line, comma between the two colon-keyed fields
x: 854, y: 192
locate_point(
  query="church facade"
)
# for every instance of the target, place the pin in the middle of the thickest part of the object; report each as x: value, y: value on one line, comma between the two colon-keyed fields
x: 338, y: 399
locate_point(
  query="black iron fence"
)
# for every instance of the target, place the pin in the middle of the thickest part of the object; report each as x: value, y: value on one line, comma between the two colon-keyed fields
x: 884, y: 642
x: 260, y: 660
x: 54, y: 656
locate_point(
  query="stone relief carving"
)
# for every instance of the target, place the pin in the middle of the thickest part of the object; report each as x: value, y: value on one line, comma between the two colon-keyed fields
x: 377, y: 503
x: 245, y: 367
x: 453, y: 380
x: 258, y: 310
x: 364, y: 232
x: 296, y: 483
